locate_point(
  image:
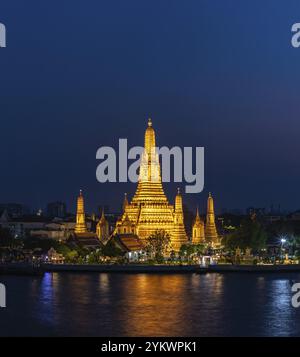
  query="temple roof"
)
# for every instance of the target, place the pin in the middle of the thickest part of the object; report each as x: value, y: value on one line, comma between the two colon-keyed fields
x: 198, y: 220
x: 130, y: 242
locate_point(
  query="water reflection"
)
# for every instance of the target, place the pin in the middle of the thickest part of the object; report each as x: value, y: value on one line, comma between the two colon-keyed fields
x: 69, y: 304
x: 279, y: 313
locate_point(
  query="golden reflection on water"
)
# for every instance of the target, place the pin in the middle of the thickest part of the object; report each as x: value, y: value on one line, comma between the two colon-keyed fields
x: 132, y: 304
x: 160, y: 299
x: 162, y: 305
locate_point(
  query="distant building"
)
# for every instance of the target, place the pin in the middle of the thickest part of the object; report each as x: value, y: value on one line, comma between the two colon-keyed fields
x: 257, y: 211
x: 21, y: 227
x: 54, y: 257
x: 13, y: 209
x: 295, y: 216
x: 235, y: 211
x: 56, y: 209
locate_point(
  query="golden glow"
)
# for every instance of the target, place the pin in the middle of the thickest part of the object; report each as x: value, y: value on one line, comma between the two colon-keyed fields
x: 80, y: 216
x: 102, y: 229
x: 149, y: 209
x: 211, y: 234
x: 198, y: 235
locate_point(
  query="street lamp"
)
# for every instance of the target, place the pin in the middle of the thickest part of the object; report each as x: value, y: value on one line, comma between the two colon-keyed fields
x: 282, y: 240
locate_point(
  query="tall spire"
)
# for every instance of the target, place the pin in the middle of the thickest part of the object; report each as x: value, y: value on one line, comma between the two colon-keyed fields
x: 102, y: 219
x: 197, y: 219
x: 178, y: 201
x: 80, y: 215
x: 198, y: 232
x: 125, y: 202
x: 102, y: 228
x: 149, y: 210
x: 149, y: 186
x: 150, y: 143
x: 179, y: 236
x: 211, y: 234
x: 210, y: 209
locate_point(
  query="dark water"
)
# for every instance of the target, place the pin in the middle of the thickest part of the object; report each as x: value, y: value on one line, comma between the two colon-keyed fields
x: 71, y: 304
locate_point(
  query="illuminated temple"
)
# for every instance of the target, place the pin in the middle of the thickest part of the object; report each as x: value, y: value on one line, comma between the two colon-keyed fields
x: 80, y: 226
x: 211, y: 234
x: 149, y: 209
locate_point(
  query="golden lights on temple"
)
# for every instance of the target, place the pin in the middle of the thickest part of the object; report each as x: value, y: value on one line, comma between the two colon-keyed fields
x: 80, y: 215
x: 150, y: 211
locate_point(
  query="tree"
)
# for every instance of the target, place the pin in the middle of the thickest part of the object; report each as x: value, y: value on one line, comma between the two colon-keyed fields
x: 157, y: 245
x: 188, y: 251
x: 111, y: 250
x: 95, y: 257
x: 251, y: 234
x: 5, y: 237
x: 72, y: 256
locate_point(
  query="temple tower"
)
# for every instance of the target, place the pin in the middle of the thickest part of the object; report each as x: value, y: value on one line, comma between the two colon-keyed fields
x: 149, y: 188
x: 179, y: 235
x: 102, y: 229
x: 149, y: 210
x: 80, y: 215
x: 198, y: 235
x: 125, y: 202
x: 211, y: 234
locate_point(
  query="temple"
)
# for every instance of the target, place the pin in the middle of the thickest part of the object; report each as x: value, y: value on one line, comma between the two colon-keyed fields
x: 148, y: 212
x: 198, y: 230
x: 149, y: 209
x: 211, y: 235
x: 82, y: 235
x: 80, y: 215
x: 102, y: 229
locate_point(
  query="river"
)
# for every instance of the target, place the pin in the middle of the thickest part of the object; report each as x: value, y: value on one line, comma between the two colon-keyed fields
x: 92, y: 304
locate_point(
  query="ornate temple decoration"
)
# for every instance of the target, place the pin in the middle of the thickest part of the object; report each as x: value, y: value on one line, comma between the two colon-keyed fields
x: 102, y: 228
x: 80, y: 215
x: 198, y: 230
x: 149, y: 209
x: 211, y: 234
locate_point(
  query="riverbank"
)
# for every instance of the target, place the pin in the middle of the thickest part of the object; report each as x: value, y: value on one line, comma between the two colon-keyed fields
x: 29, y: 269
x: 20, y: 269
x: 139, y: 268
x: 226, y: 268
x: 126, y: 268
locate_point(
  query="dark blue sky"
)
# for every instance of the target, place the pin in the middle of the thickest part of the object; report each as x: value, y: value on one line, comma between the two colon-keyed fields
x: 77, y: 75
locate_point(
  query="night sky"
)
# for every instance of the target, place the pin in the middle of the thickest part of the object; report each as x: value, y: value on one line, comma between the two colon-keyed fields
x: 77, y: 75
